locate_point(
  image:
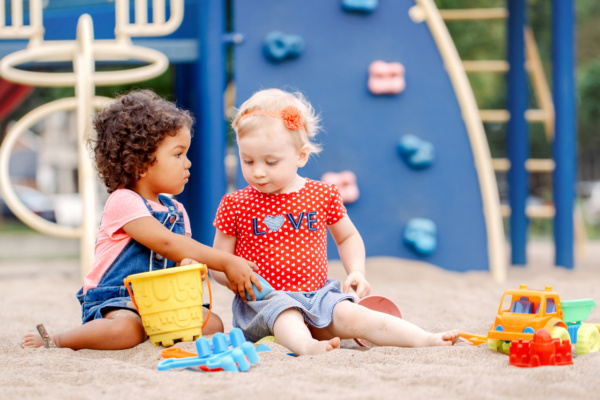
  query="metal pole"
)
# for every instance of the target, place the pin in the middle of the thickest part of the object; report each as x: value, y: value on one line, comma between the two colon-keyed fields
x: 517, y: 131
x: 83, y: 66
x: 208, y: 146
x: 564, y: 145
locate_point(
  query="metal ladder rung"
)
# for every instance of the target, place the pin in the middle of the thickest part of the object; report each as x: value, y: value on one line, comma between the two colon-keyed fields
x: 501, y: 164
x: 474, y: 14
x: 496, y: 66
x: 540, y: 165
x: 499, y: 66
x: 531, y: 165
x: 494, y: 115
x: 533, y: 212
x: 533, y: 115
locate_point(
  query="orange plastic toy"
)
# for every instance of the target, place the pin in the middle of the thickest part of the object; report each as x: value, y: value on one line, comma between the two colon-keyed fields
x: 526, y: 312
x: 176, y: 352
x: 523, y: 312
x: 541, y: 350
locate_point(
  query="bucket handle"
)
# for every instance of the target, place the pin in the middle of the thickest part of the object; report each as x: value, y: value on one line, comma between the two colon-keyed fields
x: 205, y: 269
x: 127, y: 283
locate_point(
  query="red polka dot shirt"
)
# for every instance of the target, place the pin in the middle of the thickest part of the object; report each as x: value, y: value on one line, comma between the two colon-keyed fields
x: 284, y: 234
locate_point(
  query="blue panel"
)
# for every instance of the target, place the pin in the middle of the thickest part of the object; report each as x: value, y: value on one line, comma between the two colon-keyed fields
x: 362, y: 130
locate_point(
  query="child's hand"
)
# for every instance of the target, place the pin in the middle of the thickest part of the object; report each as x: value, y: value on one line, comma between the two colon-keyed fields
x: 188, y: 261
x: 191, y: 261
x: 357, y: 281
x: 240, y: 276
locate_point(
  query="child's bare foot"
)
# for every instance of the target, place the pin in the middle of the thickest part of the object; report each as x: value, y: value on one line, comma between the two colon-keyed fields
x: 34, y: 340
x: 447, y: 338
x: 333, y: 344
x: 321, y: 346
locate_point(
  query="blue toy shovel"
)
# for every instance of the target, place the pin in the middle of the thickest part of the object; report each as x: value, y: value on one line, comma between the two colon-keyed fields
x: 215, y: 354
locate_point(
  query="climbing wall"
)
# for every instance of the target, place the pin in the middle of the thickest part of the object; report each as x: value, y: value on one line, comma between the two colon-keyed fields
x: 390, y: 115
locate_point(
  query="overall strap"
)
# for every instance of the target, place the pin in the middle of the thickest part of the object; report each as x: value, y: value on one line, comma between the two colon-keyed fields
x: 165, y: 201
x: 145, y: 202
x: 168, y: 202
x: 167, y: 219
x: 171, y: 218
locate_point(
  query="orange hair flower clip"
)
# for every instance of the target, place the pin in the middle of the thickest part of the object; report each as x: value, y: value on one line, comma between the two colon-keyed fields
x: 291, y: 116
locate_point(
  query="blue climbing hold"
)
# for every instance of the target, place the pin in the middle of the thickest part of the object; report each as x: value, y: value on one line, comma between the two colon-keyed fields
x: 417, y: 153
x: 366, y: 6
x: 420, y: 235
x: 279, y: 46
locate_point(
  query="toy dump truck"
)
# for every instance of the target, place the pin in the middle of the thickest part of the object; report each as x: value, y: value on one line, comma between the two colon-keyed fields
x: 524, y: 311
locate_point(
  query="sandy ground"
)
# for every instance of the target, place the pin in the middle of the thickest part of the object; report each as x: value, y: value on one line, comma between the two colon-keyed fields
x: 39, y: 277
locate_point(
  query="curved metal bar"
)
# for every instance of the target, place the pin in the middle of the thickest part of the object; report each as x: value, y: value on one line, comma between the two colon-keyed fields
x: 125, y: 30
x: 10, y: 197
x: 82, y: 53
x: 158, y: 64
x: 34, y: 31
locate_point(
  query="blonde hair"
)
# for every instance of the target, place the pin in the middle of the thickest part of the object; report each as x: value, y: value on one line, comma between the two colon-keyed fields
x: 274, y: 101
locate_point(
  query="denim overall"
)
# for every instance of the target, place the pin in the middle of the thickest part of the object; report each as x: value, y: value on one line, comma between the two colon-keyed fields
x: 111, y: 294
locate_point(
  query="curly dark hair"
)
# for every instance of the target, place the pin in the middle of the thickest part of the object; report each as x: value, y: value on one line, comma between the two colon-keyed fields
x: 129, y: 130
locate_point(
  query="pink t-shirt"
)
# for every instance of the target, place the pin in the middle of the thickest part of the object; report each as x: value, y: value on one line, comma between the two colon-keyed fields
x: 122, y: 207
x: 284, y: 234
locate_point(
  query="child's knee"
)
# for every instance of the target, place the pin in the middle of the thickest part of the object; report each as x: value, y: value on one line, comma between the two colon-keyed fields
x: 347, y: 311
x: 348, y: 315
x: 129, y: 332
x: 214, y: 324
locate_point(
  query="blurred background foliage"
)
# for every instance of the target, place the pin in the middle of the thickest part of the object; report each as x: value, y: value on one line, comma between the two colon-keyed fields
x: 486, y: 40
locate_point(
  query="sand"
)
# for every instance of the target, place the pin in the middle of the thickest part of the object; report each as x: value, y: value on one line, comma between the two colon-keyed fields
x: 39, y: 277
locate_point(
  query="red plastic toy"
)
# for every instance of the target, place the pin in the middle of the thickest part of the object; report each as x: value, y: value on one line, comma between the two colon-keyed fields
x: 541, y: 350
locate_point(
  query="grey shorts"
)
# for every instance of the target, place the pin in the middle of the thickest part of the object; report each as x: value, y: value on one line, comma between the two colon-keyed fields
x: 257, y: 318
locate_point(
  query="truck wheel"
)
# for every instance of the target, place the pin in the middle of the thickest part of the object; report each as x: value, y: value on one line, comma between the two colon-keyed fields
x: 500, y: 346
x: 588, y: 339
x: 560, y: 333
x: 493, y: 344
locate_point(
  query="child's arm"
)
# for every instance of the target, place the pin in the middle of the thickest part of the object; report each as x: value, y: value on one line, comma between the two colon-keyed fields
x: 352, y: 253
x: 152, y: 234
x: 188, y: 261
x: 225, y: 243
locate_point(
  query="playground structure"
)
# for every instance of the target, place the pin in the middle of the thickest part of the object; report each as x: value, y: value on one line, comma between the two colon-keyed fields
x: 454, y: 192
x: 82, y: 53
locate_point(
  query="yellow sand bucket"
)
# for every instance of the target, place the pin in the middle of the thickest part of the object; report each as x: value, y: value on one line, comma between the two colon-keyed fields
x: 170, y: 302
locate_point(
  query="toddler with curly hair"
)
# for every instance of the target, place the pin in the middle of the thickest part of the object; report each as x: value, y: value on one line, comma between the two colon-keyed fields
x: 141, y: 154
